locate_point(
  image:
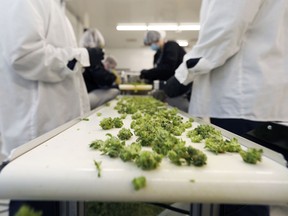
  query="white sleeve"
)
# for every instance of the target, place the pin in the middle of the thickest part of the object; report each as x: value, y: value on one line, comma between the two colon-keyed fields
x: 223, y: 27
x: 29, y: 53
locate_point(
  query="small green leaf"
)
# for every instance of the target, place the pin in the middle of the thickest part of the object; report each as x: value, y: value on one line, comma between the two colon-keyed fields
x: 98, y: 167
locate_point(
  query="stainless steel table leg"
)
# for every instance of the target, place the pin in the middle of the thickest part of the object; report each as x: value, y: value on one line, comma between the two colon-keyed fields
x: 81, y: 208
x: 68, y: 208
x: 195, y: 209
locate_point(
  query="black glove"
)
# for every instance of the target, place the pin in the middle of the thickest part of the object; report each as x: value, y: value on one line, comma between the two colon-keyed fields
x: 174, y: 88
x: 96, y: 55
x: 142, y: 74
x: 159, y: 95
x: 71, y: 64
x: 192, y: 62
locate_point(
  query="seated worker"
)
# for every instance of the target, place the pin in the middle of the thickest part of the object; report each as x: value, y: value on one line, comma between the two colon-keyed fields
x: 110, y: 64
x: 167, y: 58
x: 99, y: 81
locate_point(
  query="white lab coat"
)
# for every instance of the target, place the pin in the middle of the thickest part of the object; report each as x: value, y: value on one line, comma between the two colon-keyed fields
x: 243, y: 71
x: 38, y: 92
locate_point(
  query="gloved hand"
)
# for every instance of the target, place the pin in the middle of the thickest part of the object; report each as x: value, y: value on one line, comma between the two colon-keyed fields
x: 96, y: 55
x: 142, y: 74
x: 173, y: 88
x: 159, y: 95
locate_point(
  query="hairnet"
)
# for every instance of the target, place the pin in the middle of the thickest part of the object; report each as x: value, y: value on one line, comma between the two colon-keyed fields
x: 92, y: 38
x: 153, y: 37
x: 110, y: 62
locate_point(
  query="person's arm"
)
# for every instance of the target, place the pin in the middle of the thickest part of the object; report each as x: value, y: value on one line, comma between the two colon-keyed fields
x: 221, y: 35
x: 101, y: 77
x: 173, y: 88
x: 28, y: 51
x: 156, y: 74
x: 167, y: 65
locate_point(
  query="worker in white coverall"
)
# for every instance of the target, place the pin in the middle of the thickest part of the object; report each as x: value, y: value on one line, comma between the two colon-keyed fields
x: 41, y: 83
x: 239, y: 69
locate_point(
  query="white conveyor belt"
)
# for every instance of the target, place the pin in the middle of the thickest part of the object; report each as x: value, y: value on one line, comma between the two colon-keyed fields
x: 61, y: 167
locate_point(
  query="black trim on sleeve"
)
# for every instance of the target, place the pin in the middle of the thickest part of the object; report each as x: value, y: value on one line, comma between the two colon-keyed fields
x: 71, y: 64
x: 4, y: 163
x: 190, y: 63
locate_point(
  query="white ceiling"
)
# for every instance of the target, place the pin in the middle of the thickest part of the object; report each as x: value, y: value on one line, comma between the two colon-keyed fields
x: 105, y: 14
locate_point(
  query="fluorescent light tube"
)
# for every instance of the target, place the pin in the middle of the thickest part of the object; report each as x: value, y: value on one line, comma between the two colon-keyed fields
x: 158, y: 26
x: 163, y: 26
x: 131, y: 27
x: 189, y: 27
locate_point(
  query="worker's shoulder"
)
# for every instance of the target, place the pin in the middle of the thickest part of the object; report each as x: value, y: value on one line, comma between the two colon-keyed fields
x: 171, y: 43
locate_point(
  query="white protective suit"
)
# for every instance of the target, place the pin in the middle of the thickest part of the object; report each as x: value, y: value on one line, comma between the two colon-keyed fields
x: 243, y: 70
x: 38, y: 92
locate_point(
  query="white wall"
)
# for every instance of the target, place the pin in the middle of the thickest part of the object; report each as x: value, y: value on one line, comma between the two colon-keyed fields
x: 132, y: 59
x: 2, y: 157
x: 76, y: 24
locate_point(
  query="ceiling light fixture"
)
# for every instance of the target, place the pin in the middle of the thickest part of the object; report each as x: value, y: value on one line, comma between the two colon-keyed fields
x: 163, y: 26
x: 189, y: 27
x: 159, y: 26
x: 132, y: 27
